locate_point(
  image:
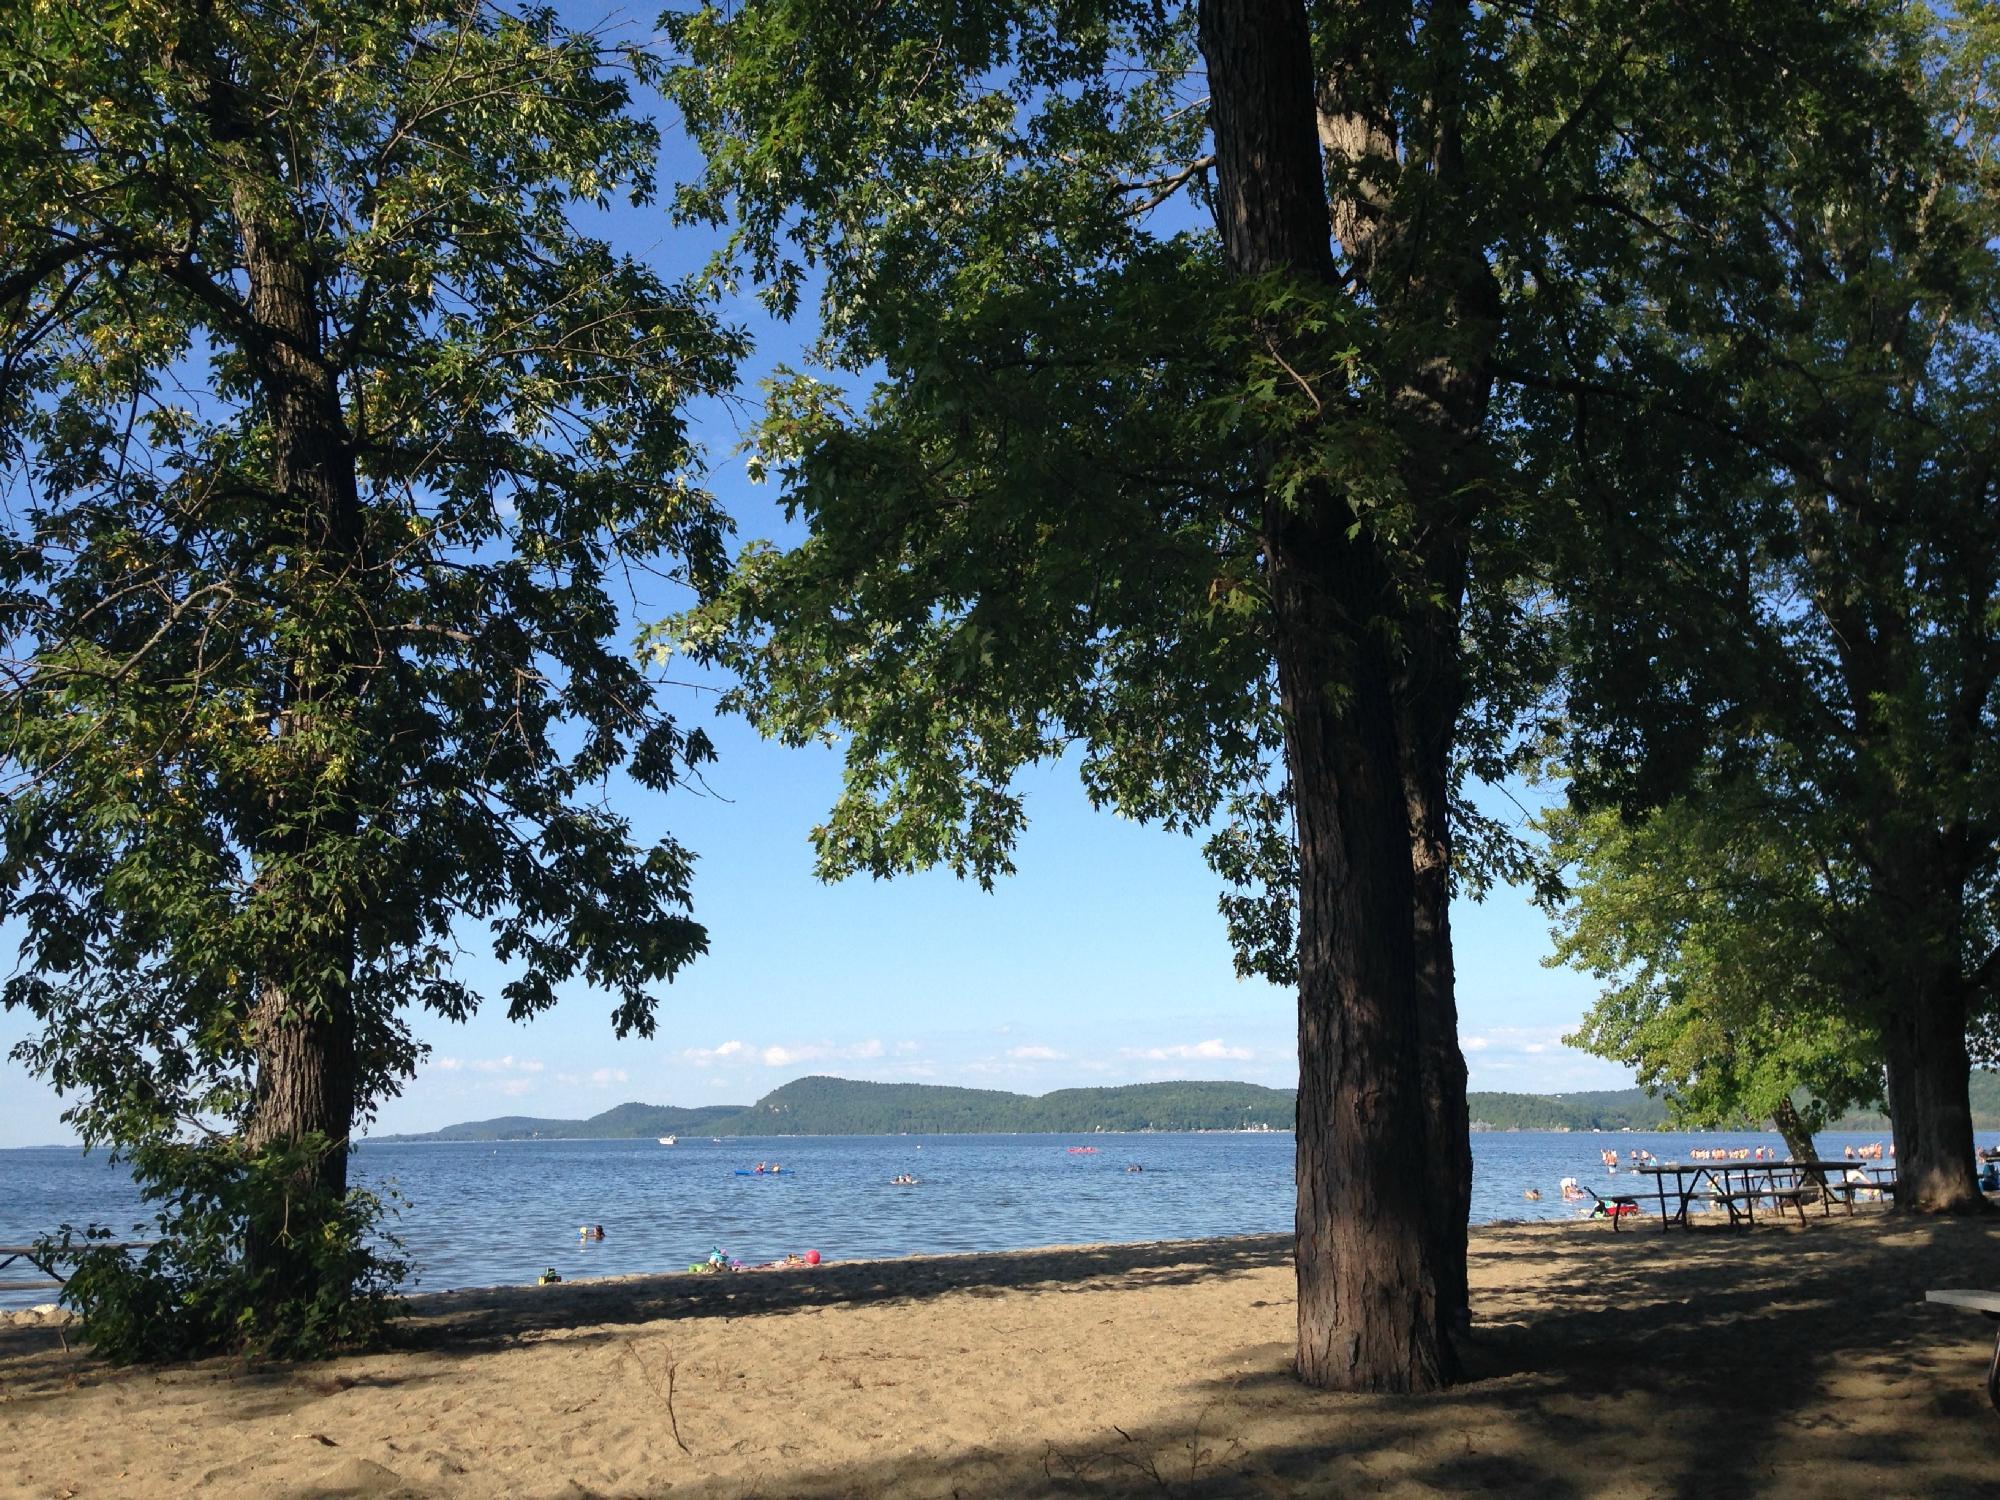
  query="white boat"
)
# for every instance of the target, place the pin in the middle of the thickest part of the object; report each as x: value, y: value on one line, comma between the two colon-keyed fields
x: 666, y: 1140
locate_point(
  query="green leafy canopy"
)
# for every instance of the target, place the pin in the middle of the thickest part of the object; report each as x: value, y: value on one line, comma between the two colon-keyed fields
x: 253, y: 740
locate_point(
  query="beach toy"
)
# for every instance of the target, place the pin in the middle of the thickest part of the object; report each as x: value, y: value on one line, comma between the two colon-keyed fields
x: 548, y: 1276
x: 812, y: 1257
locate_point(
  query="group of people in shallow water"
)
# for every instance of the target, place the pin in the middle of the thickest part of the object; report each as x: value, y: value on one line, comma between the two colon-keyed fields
x: 902, y: 1179
x: 1741, y: 1153
x: 1870, y: 1152
x: 1639, y: 1158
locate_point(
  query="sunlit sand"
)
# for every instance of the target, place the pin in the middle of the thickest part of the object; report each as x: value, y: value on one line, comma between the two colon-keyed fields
x: 1781, y: 1362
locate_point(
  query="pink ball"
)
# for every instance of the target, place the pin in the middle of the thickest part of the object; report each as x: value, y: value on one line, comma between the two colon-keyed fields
x: 812, y: 1257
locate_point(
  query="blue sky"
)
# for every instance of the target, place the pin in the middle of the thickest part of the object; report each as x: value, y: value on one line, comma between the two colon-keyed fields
x: 1103, y: 961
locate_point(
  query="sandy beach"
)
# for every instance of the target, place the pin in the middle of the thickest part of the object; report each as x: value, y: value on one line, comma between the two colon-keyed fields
x: 1782, y: 1362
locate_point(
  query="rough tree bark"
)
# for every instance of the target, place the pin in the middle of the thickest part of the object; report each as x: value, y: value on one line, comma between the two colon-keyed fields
x: 304, y: 1021
x: 1434, y: 283
x: 1930, y: 1109
x: 1369, y: 1313
x: 1424, y: 728
x: 1795, y: 1133
x: 303, y: 1024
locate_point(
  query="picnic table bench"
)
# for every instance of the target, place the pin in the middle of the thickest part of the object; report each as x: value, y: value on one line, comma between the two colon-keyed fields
x: 1989, y: 1304
x: 1738, y: 1187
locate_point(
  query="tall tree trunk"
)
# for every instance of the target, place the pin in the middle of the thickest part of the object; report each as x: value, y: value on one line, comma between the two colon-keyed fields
x: 1930, y: 1109
x: 1369, y: 1316
x: 305, y: 1084
x: 1431, y: 282
x: 304, y: 1022
x: 1426, y: 717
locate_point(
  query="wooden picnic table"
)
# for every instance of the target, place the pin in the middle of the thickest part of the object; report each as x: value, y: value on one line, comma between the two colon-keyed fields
x: 1985, y: 1302
x: 1739, y: 1186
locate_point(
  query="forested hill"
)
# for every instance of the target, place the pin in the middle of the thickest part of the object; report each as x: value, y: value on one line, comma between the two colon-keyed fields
x: 839, y: 1106
x: 835, y: 1106
x: 622, y: 1123
x: 1613, y: 1109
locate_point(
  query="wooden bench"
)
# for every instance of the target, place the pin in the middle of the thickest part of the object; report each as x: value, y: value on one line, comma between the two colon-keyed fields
x: 1984, y: 1302
x: 1850, y: 1191
x: 1742, y: 1202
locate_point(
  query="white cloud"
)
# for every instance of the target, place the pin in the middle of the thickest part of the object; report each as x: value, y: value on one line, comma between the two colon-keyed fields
x: 515, y: 1087
x: 507, y: 1064
x: 1534, y: 1059
x: 1212, y: 1050
x: 702, y: 1057
x: 904, y: 1049
x: 1037, y: 1054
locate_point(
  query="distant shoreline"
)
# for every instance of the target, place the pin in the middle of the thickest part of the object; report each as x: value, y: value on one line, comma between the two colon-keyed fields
x: 813, y: 1135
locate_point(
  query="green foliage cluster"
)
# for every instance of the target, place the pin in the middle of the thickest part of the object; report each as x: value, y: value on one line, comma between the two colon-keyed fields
x: 328, y: 442
x: 195, y: 1291
x: 1782, y: 681
x: 1724, y: 988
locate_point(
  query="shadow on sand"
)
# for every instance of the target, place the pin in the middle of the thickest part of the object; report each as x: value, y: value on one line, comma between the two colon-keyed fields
x: 471, y: 1320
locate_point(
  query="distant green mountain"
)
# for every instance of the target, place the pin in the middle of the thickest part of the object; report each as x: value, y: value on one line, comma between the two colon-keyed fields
x: 621, y: 1123
x: 1614, y: 1109
x: 838, y: 1106
x: 841, y: 1106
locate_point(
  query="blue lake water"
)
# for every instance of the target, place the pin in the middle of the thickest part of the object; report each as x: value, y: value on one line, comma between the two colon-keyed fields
x: 487, y: 1214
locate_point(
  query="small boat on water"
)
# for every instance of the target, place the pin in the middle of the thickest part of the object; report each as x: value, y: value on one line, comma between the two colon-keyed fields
x: 668, y: 1140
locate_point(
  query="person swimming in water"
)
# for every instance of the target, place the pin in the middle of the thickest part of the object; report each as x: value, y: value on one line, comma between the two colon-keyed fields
x: 591, y: 1231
